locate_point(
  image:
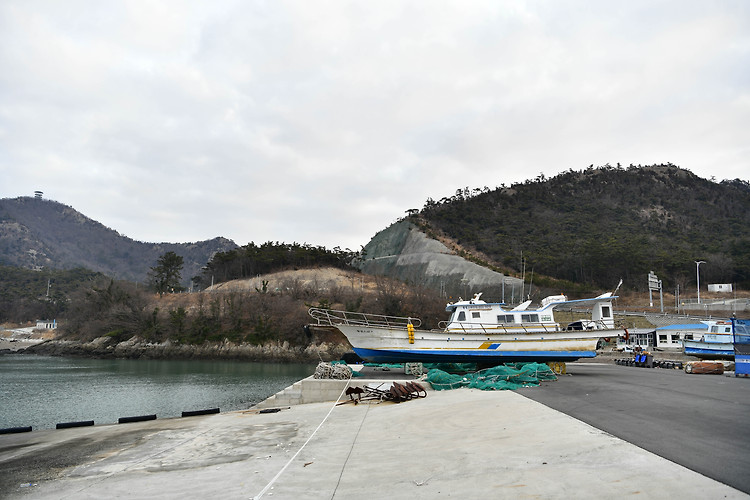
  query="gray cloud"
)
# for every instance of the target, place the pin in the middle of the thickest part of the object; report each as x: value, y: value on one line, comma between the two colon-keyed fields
x: 322, y: 122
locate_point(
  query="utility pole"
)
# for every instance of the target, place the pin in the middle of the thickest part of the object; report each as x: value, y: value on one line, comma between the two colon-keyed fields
x: 661, y: 298
x: 698, y: 276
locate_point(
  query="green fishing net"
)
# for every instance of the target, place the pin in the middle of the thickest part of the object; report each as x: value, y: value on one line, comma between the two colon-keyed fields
x: 498, y: 378
x: 451, y: 367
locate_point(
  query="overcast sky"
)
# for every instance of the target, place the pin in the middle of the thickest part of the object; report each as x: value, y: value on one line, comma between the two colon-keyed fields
x: 323, y: 122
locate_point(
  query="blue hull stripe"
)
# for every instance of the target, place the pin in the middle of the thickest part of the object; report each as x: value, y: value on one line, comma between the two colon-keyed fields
x: 467, y: 356
x: 715, y: 352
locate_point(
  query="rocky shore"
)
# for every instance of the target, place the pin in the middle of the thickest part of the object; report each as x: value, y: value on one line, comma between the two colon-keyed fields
x: 136, y: 348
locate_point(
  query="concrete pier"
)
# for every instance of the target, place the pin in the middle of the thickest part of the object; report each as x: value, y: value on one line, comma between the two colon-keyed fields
x: 462, y: 443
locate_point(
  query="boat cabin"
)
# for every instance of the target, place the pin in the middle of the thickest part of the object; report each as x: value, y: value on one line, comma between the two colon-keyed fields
x: 476, y: 314
x: 720, y: 326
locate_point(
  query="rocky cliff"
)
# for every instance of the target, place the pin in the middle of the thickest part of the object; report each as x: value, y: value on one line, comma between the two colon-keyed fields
x: 404, y: 252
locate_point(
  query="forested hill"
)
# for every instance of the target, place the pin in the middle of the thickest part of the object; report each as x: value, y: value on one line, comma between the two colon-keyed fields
x: 602, y: 224
x: 37, y: 233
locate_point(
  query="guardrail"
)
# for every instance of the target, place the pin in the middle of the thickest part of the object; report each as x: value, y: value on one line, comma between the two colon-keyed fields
x: 332, y: 317
x: 515, y: 327
x: 495, y: 328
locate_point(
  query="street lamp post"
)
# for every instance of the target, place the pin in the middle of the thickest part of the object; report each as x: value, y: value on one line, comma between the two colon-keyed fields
x: 698, y: 276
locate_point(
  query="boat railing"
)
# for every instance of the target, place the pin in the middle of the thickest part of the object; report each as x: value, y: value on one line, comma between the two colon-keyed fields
x: 331, y: 317
x: 499, y: 327
x: 467, y: 327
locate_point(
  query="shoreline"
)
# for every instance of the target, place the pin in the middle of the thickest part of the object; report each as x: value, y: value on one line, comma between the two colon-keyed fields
x: 135, y: 348
x: 16, y: 345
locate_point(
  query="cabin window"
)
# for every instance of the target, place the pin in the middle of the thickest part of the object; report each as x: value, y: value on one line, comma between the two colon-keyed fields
x: 475, y: 314
x: 505, y: 318
x: 462, y: 316
x: 530, y: 318
x: 675, y: 339
x: 714, y: 329
x: 606, y: 312
x: 727, y: 329
x: 688, y: 336
x: 662, y: 338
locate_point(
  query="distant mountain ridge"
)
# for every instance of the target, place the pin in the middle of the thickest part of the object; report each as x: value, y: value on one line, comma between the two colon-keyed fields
x: 37, y: 233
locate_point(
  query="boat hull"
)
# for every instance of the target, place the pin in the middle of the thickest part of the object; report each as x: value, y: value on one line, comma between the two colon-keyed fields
x: 467, y: 356
x: 708, y: 350
x: 393, y: 345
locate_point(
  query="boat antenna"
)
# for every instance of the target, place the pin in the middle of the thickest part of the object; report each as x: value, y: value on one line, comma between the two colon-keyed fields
x: 530, y: 282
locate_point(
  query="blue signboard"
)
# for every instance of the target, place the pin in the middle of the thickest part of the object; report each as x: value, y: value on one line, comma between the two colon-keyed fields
x: 741, y: 337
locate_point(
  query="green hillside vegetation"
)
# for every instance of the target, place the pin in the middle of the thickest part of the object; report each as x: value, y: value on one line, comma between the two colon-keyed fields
x: 252, y: 260
x: 602, y: 224
x: 27, y: 295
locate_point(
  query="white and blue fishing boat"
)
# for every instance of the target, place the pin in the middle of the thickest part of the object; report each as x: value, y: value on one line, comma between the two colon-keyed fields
x: 716, y: 342
x: 478, y: 332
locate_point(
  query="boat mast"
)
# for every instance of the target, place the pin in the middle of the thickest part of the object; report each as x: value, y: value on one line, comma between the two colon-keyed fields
x: 530, y: 282
x: 523, y: 276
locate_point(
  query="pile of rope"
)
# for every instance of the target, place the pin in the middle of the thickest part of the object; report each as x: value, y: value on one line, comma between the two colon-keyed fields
x: 340, y: 371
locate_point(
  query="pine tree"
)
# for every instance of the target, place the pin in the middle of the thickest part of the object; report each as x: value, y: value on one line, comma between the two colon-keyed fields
x: 165, y: 276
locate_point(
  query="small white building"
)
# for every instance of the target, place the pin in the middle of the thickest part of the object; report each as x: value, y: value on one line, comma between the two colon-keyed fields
x: 46, y: 324
x: 671, y: 336
x: 638, y: 339
x: 720, y: 287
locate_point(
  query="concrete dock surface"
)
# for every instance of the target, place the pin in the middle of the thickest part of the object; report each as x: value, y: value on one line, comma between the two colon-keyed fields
x: 462, y: 443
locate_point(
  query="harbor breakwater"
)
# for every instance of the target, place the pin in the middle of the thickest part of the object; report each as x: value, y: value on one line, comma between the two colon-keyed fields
x: 137, y: 348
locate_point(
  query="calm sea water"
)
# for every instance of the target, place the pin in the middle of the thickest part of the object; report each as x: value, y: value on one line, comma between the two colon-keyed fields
x: 42, y: 391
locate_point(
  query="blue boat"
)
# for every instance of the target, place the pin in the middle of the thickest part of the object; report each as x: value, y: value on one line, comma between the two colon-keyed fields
x: 715, y: 344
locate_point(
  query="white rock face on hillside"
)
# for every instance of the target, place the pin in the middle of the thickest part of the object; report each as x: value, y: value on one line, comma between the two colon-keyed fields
x: 403, y: 251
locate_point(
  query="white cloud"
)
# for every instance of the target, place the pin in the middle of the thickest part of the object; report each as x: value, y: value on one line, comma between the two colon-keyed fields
x: 323, y: 122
